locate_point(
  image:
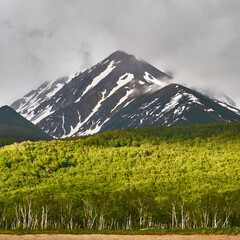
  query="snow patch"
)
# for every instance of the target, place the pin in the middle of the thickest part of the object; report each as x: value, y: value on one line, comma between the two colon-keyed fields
x: 57, y: 87
x: 42, y: 115
x: 98, y: 79
x: 209, y: 110
x: 149, y: 78
x: 34, y: 100
x: 173, y: 103
x: 183, y: 118
x: 58, y: 100
x: 123, y: 80
x: 127, y: 103
x: 145, y: 105
x: 96, y: 129
x: 95, y: 109
x: 192, y: 98
x: 64, y: 130
x: 179, y: 110
x: 229, y: 108
x: 105, y: 62
x: 123, y: 99
x: 75, y: 129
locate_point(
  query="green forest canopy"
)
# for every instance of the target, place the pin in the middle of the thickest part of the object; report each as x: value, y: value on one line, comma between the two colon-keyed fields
x: 168, y: 177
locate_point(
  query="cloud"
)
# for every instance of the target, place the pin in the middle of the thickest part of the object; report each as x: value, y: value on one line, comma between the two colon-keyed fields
x: 85, y: 54
x: 6, y: 23
x: 41, y: 40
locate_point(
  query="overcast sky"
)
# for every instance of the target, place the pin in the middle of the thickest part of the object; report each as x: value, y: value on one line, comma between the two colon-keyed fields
x: 41, y: 40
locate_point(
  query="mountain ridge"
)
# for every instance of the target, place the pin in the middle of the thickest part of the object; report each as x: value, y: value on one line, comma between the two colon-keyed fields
x: 15, y: 128
x: 95, y: 100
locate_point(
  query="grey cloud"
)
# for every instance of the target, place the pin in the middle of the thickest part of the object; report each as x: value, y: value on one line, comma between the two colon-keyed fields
x: 34, y: 61
x: 6, y: 23
x: 198, y: 41
x: 85, y: 55
x: 47, y: 32
x: 34, y: 33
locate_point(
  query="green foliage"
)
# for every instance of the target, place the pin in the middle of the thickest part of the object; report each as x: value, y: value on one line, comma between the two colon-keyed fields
x: 164, y: 177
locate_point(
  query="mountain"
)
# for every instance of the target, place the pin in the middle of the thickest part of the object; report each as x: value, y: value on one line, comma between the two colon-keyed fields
x: 15, y: 128
x: 172, y: 105
x: 121, y: 91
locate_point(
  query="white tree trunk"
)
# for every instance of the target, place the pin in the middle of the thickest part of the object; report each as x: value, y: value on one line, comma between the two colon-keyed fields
x: 29, y: 214
x: 174, y: 216
x: 43, y: 216
x: 182, y: 216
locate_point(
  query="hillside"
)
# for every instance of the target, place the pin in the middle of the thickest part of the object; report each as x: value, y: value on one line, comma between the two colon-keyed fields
x: 15, y: 128
x: 164, y: 177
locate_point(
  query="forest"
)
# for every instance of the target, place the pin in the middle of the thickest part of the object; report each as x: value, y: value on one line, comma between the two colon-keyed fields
x: 161, y: 177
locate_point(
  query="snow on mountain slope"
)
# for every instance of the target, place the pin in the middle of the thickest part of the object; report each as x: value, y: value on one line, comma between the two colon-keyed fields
x: 170, y: 106
x: 30, y: 105
x: 117, y: 76
x: 119, y: 92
